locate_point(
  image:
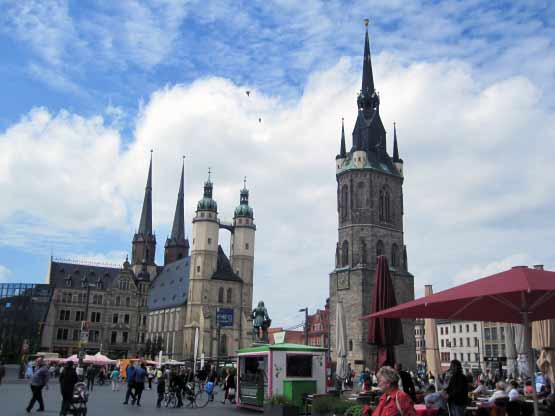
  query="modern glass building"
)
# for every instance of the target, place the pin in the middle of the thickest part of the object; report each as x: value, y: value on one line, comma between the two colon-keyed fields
x: 23, y: 309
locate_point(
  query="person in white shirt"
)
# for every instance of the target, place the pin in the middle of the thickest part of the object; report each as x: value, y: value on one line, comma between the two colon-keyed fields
x: 499, y: 392
x: 481, y: 389
x: 513, y: 392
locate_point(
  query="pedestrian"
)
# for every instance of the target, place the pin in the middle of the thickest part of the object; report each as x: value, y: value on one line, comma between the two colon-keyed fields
x: 393, y: 401
x: 212, y: 378
x: 91, y: 374
x: 38, y: 381
x: 406, y: 382
x: 140, y: 378
x: 229, y: 386
x: 2, y: 371
x: 130, y: 379
x: 160, y: 389
x: 457, y: 390
x: 68, y: 379
x: 176, y: 385
x: 114, y: 377
x: 150, y: 377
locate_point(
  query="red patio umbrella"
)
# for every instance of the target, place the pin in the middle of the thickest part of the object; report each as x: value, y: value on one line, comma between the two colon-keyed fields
x: 384, y: 332
x: 519, y: 295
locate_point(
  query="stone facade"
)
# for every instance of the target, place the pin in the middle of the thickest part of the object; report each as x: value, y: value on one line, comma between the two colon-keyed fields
x: 370, y: 219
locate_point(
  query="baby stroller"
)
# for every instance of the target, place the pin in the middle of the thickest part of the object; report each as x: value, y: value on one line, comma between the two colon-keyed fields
x: 78, y: 406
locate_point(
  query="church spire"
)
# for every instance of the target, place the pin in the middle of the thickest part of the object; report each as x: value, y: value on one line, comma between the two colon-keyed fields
x: 342, y: 151
x: 367, y: 77
x: 145, y: 226
x: 395, y: 147
x: 178, y: 229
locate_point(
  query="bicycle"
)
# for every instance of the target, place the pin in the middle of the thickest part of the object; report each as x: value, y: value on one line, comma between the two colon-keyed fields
x: 197, y: 399
x: 170, y: 399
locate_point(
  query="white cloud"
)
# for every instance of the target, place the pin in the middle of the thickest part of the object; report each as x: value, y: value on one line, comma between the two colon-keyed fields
x: 474, y: 271
x: 477, y: 165
x: 4, y: 273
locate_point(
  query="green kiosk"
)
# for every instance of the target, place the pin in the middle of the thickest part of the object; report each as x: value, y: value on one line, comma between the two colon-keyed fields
x: 279, y: 369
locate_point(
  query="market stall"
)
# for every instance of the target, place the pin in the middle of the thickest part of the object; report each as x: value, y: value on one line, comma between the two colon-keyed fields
x: 284, y: 369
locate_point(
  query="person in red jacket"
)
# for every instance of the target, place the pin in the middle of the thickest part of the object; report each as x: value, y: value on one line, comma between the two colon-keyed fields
x: 393, y: 402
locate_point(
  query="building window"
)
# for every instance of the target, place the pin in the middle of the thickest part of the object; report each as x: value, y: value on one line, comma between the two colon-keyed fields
x: 144, y: 320
x: 125, y: 337
x: 142, y: 338
x: 494, y: 333
x: 118, y: 300
x: 126, y: 319
x: 68, y: 282
x: 360, y: 195
x: 345, y: 253
x: 454, y: 329
x: 468, y: 342
x: 350, y: 345
x: 113, y: 337
x: 62, y: 334
x: 379, y: 248
x: 442, y: 343
x: 221, y: 295
x: 124, y: 284
x: 394, y: 255
x: 198, y: 269
x: 344, y: 201
x: 475, y: 327
x: 209, y: 241
x: 454, y: 342
x: 246, y: 246
x: 128, y: 301
x: 441, y: 330
x: 467, y: 329
x: 97, y: 300
x: 385, y: 208
x: 446, y: 330
x: 94, y: 336
x: 229, y: 295
x: 115, y: 318
x: 460, y: 328
x: 75, y: 335
x: 79, y: 315
x: 487, y: 334
x: 475, y: 341
x: 64, y: 315
x: 95, y: 317
x: 476, y: 357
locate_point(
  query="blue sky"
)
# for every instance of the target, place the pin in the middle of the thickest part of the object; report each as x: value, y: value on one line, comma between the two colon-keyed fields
x: 89, y: 87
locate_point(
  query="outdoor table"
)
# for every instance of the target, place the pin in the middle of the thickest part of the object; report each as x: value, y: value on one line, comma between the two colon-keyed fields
x: 422, y: 410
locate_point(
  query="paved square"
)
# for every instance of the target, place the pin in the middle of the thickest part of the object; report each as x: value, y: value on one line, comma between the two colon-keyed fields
x: 14, y: 397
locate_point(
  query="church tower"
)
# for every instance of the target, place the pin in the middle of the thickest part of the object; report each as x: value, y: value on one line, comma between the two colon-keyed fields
x: 144, y: 241
x: 242, y: 260
x: 204, y: 261
x: 370, y: 223
x: 177, y: 246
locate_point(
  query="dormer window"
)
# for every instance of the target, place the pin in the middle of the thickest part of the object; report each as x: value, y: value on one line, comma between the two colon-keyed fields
x: 124, y: 284
x: 69, y: 282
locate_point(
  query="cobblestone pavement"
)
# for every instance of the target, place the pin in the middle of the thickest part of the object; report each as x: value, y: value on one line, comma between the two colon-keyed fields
x: 15, y: 396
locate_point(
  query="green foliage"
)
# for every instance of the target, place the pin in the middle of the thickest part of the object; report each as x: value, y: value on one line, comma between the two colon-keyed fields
x: 279, y: 400
x: 330, y: 405
x: 355, y: 410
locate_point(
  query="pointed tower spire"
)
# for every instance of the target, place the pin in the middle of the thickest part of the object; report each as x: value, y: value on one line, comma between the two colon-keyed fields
x: 145, y: 226
x: 343, y: 151
x: 367, y: 76
x: 178, y: 229
x: 395, y: 147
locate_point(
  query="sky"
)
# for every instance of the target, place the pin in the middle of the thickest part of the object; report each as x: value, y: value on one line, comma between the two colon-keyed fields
x: 89, y: 87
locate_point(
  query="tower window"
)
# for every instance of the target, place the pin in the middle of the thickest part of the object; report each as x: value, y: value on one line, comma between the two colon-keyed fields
x: 198, y: 269
x: 350, y: 345
x: 385, y: 207
x: 379, y: 248
x: 246, y: 246
x: 209, y: 241
x: 344, y: 201
x: 394, y: 256
x: 360, y: 195
x: 229, y: 295
x: 223, y: 344
x: 345, y: 253
x: 221, y: 295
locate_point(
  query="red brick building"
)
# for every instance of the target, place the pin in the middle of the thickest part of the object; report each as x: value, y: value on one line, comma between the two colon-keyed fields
x: 319, y: 327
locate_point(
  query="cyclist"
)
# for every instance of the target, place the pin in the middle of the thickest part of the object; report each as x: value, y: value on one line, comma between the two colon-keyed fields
x: 176, y: 386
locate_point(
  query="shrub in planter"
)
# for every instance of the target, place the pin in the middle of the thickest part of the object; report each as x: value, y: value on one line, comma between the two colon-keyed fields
x: 279, y: 406
x: 355, y: 410
x: 330, y: 405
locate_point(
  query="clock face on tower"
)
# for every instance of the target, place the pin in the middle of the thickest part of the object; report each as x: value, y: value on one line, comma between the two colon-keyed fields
x: 342, y: 281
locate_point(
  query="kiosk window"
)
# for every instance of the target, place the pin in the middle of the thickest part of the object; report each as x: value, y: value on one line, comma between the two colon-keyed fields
x: 299, y: 365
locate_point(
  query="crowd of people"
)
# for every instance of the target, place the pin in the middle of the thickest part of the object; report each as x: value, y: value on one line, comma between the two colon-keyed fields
x: 137, y: 377
x: 451, y: 394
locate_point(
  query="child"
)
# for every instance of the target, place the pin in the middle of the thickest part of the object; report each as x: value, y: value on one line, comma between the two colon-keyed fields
x: 161, y: 389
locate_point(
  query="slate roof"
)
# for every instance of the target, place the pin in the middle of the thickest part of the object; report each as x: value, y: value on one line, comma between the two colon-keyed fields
x: 170, y: 287
x: 223, y: 269
x: 60, y: 270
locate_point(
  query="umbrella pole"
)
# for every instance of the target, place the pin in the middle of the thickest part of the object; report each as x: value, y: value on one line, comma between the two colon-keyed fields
x: 531, y: 363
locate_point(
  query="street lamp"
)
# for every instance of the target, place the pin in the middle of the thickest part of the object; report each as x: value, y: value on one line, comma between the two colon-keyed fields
x: 305, y: 310
x: 84, y: 335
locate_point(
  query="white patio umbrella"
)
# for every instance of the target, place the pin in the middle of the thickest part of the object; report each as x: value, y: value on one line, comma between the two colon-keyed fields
x: 510, y: 351
x: 340, y: 342
x: 433, y: 360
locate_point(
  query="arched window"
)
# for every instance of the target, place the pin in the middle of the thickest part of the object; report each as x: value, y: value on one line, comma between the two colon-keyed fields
x: 360, y: 195
x: 345, y: 254
x: 379, y: 248
x: 344, y: 201
x: 229, y: 295
x: 221, y: 295
x: 394, y: 256
x: 223, y: 344
x: 385, y: 205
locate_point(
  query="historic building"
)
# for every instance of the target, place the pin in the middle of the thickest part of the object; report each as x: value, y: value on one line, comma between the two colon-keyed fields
x: 370, y: 213
x: 318, y: 327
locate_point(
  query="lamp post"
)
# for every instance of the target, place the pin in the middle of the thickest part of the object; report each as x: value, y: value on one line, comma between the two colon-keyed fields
x: 305, y: 310
x: 84, y: 335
